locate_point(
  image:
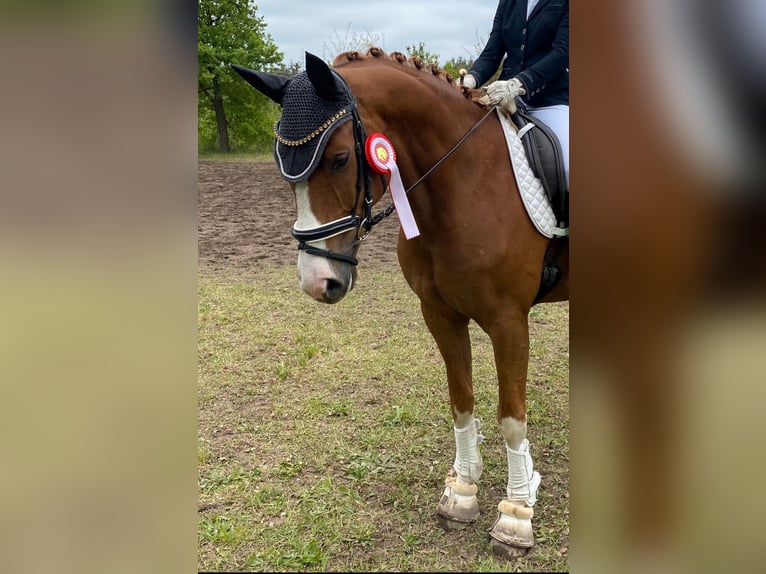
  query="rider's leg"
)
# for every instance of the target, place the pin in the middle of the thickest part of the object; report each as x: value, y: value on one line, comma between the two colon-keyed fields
x: 557, y: 118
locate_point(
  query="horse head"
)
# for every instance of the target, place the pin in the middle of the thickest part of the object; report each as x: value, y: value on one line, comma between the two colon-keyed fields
x: 319, y: 151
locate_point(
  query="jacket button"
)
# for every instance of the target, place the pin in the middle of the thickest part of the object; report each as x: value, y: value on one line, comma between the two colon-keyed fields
x: 522, y: 46
x: 523, y: 30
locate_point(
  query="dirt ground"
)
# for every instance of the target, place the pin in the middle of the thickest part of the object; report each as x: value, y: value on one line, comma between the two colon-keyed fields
x: 252, y: 371
x: 245, y: 213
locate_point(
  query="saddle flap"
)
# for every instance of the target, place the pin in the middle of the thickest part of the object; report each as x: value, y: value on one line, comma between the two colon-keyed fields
x: 545, y: 158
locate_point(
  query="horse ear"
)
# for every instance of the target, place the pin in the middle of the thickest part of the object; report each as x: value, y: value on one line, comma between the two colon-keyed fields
x: 324, y: 81
x: 271, y: 85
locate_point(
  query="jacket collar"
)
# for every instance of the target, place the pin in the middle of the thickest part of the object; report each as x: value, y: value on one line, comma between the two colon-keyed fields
x: 536, y: 9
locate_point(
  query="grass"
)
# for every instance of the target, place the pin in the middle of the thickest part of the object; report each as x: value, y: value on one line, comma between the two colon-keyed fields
x: 238, y: 156
x: 325, y: 433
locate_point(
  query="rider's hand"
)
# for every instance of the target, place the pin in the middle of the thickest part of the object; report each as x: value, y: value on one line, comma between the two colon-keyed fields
x: 503, y: 93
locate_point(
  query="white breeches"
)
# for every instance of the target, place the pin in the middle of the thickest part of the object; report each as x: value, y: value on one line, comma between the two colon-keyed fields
x: 557, y: 118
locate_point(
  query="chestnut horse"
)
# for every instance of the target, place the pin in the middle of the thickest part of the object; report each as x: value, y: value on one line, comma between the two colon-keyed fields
x: 477, y: 256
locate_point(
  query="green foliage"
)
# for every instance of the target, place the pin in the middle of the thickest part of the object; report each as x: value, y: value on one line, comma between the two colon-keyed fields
x: 231, y: 32
x: 454, y: 65
x: 207, y: 135
x: 420, y: 51
x: 289, y: 70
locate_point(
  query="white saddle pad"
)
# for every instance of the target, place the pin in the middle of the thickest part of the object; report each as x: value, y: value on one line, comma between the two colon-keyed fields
x: 530, y: 187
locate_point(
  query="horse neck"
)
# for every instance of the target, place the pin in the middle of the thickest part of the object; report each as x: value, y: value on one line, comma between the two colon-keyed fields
x: 421, y: 114
x: 423, y: 119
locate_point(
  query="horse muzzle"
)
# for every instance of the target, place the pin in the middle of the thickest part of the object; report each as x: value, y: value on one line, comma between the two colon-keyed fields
x: 325, y: 280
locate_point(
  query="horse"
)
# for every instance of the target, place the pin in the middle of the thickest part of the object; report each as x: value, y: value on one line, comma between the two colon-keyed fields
x: 475, y: 256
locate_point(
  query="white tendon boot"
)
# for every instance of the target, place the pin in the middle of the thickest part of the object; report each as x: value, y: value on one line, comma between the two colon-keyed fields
x: 513, y: 527
x: 458, y: 504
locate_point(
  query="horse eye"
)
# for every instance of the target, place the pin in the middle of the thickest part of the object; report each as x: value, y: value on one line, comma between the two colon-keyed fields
x: 338, y: 160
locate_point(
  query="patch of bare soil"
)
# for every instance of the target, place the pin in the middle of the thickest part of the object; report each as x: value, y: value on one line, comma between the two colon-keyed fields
x: 245, y: 213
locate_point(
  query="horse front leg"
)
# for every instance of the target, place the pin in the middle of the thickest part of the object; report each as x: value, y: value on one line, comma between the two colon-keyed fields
x: 458, y: 505
x: 511, y: 535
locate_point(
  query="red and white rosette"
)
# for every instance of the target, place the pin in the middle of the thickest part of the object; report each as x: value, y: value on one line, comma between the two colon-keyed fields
x: 382, y: 157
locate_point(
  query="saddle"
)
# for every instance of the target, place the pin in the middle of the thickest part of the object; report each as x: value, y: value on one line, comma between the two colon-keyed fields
x: 545, y: 159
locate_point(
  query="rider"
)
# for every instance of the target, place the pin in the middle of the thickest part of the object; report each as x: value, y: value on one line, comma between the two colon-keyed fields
x: 534, y: 35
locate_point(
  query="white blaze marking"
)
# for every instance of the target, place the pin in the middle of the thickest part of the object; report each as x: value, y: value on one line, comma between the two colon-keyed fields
x: 306, y: 217
x: 313, y: 271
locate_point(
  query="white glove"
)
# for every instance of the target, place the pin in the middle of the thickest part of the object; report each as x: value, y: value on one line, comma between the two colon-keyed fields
x: 468, y: 80
x: 504, y: 92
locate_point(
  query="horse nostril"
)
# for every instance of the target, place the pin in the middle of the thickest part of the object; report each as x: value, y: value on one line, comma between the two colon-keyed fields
x: 334, y: 290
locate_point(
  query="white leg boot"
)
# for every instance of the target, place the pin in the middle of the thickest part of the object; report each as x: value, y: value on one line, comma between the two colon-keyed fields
x: 513, y: 527
x: 458, y: 504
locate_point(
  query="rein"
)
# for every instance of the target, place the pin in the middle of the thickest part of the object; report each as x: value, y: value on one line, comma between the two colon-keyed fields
x: 389, y: 210
x: 363, y: 182
x: 450, y: 152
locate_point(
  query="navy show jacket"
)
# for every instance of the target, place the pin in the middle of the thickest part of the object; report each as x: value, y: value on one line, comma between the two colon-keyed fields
x: 537, y: 50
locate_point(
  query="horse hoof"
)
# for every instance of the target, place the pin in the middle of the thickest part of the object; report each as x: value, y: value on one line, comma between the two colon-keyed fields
x: 511, y: 535
x: 506, y: 551
x: 450, y: 525
x: 458, y: 506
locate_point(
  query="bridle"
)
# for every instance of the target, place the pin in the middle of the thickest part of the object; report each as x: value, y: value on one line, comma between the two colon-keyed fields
x: 363, y: 192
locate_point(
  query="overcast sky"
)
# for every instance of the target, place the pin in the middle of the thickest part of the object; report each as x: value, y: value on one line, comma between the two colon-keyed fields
x: 449, y: 28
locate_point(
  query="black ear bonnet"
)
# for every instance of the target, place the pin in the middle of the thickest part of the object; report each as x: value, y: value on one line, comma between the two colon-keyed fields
x: 314, y: 104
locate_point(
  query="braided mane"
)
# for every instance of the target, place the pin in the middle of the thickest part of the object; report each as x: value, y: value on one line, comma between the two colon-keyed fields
x: 476, y: 97
x: 410, y: 62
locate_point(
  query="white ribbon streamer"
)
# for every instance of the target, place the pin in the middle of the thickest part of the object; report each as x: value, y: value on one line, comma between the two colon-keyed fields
x: 382, y: 157
x: 401, y: 203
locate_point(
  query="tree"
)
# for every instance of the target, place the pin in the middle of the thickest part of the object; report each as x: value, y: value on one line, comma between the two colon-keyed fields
x: 455, y: 64
x: 230, y: 111
x: 290, y: 70
x: 420, y: 51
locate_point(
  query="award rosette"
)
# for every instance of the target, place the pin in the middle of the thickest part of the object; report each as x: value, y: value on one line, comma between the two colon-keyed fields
x: 382, y: 157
